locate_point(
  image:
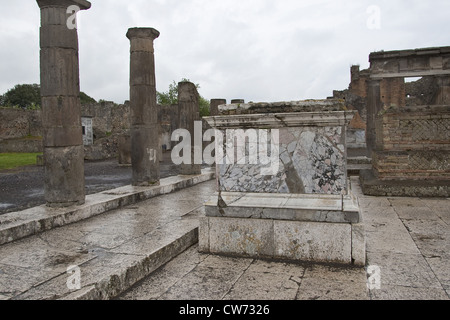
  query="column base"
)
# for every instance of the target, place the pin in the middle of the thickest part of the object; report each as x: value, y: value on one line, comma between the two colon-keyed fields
x: 64, y: 176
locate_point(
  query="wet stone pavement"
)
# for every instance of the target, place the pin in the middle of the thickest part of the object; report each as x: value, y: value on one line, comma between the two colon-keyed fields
x: 408, y: 242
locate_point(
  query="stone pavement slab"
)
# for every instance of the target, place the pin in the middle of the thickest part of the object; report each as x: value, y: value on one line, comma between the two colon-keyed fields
x: 409, y: 248
x: 148, y: 250
x: 19, y: 224
x: 112, y: 250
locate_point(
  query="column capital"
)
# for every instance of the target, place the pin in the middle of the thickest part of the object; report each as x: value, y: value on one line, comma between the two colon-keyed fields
x: 144, y: 33
x: 82, y: 4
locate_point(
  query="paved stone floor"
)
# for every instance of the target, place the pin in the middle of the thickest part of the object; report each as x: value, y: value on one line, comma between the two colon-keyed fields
x: 408, y: 242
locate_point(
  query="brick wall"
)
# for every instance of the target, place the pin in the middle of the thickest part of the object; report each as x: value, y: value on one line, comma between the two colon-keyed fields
x: 413, y: 143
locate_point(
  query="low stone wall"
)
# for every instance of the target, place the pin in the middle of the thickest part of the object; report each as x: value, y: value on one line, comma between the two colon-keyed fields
x: 19, y: 123
x: 26, y: 145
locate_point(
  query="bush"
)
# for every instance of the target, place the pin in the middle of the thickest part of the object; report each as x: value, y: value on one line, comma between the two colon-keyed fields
x: 25, y: 96
x: 28, y: 96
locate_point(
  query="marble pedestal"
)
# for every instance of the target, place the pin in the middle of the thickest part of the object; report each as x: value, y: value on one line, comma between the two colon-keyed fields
x: 304, y: 210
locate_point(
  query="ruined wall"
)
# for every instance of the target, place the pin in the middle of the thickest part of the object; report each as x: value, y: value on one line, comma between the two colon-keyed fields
x: 421, y: 92
x: 413, y: 143
x: 19, y: 123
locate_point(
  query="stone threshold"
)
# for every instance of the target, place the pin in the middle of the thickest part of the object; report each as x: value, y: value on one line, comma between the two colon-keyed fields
x: 20, y: 224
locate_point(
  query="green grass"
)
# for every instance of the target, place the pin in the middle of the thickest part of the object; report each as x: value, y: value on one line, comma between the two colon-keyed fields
x: 15, y: 160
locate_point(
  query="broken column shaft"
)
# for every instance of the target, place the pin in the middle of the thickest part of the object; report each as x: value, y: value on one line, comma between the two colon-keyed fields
x: 144, y: 111
x: 188, y: 114
x: 61, y: 107
x: 214, y: 106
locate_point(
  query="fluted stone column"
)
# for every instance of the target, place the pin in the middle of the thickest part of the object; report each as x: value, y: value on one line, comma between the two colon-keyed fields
x: 144, y: 110
x: 61, y: 107
x: 214, y: 106
x: 189, y: 113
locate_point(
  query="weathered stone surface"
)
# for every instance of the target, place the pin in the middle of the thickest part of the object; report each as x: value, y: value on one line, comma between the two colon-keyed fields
x: 309, y: 156
x: 64, y: 176
x: 60, y: 90
x: 323, y: 208
x: 214, y: 106
x: 358, y: 244
x: 188, y: 113
x: 59, y: 72
x: 144, y: 155
x: 143, y: 105
x: 247, y: 237
x: 124, y: 152
x: 310, y: 241
x: 145, y: 128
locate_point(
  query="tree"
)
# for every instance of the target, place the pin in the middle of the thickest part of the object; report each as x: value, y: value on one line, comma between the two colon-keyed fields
x: 171, y: 97
x: 28, y: 96
x: 25, y: 96
x: 85, y: 99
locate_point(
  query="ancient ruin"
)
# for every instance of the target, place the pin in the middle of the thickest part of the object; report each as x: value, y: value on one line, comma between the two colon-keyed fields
x: 294, y: 203
x: 145, y: 141
x: 60, y: 90
x: 188, y: 114
x: 409, y: 145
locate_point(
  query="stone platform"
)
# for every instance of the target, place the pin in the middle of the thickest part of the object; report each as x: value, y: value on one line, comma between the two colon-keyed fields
x: 295, y: 204
x: 320, y: 228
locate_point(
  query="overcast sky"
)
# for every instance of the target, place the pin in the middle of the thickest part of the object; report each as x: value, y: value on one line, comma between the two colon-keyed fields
x: 257, y: 50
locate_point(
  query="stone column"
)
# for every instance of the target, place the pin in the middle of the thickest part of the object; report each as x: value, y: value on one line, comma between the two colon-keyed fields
x: 214, y: 106
x: 187, y: 115
x: 144, y: 110
x: 374, y: 106
x: 61, y: 107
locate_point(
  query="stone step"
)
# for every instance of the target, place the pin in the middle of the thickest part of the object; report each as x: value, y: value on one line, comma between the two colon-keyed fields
x: 20, y: 224
x: 103, y: 256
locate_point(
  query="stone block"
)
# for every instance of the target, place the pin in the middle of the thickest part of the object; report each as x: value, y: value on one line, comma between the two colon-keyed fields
x: 63, y: 136
x: 59, y: 72
x: 63, y: 168
x: 358, y: 244
x: 144, y: 155
x: 59, y: 111
x: 142, y: 69
x: 246, y: 237
x: 142, y: 44
x: 144, y: 109
x: 203, y: 235
x: 312, y: 241
x: 58, y: 36
x: 125, y: 150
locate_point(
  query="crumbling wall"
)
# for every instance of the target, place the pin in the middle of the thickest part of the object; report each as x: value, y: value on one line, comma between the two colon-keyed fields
x: 422, y: 92
x: 19, y: 123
